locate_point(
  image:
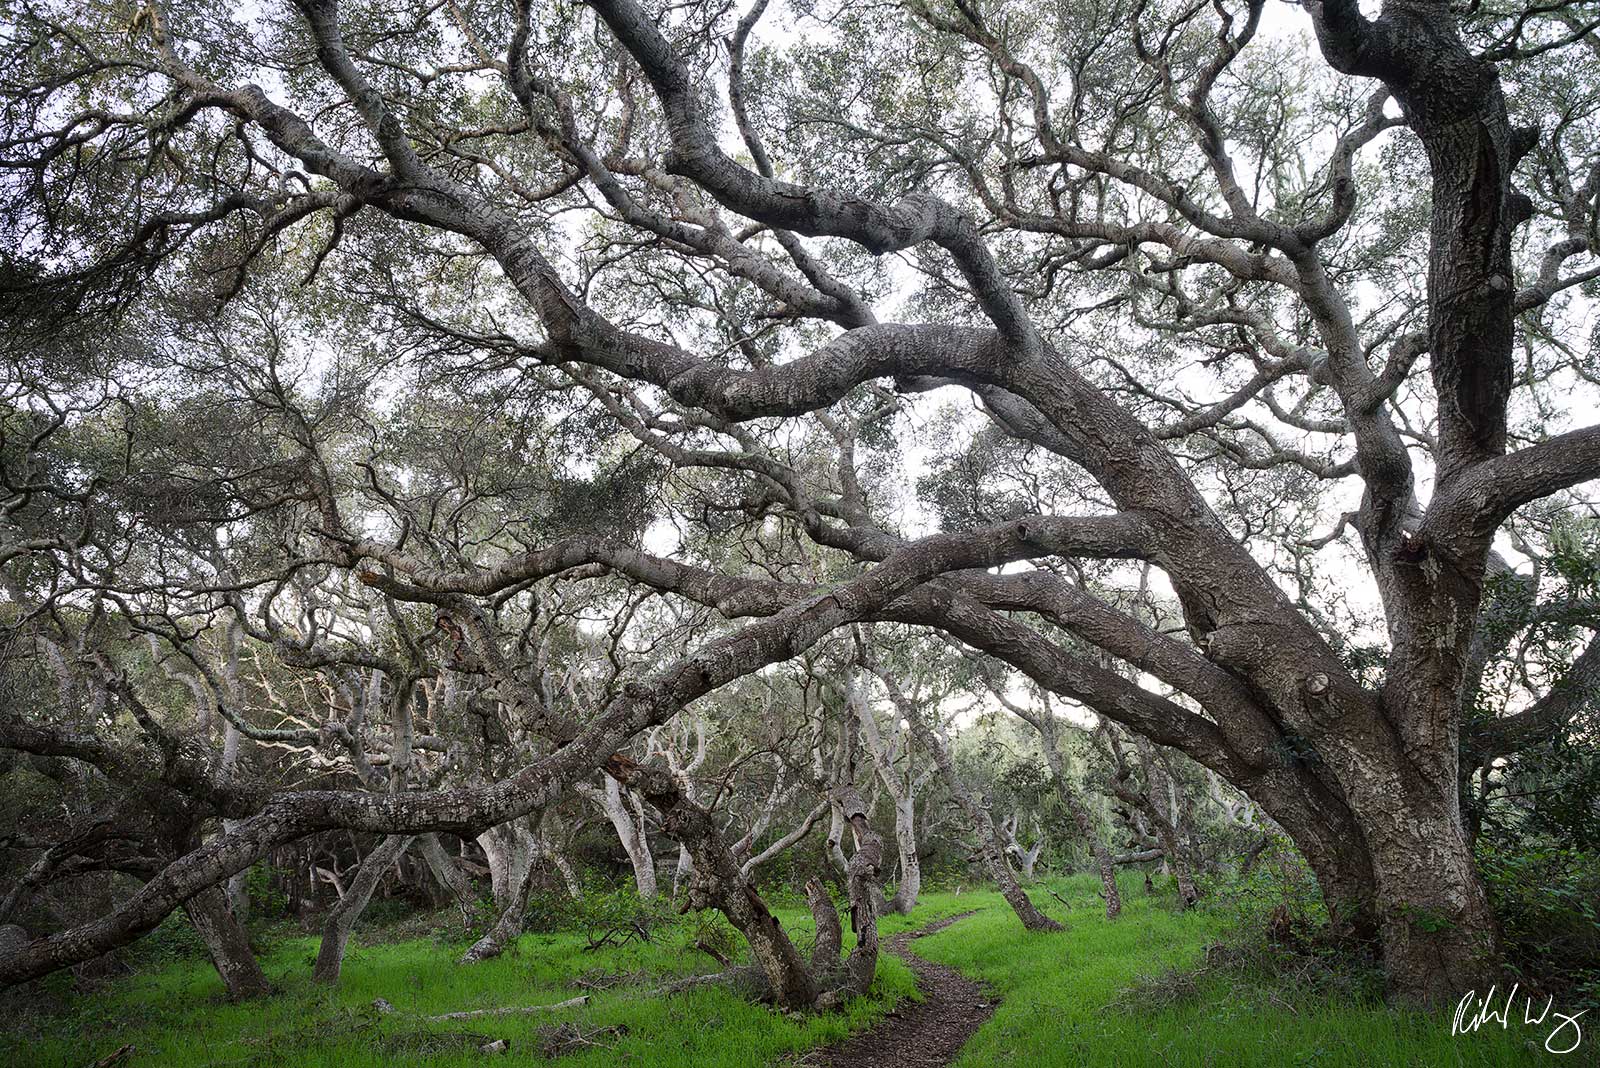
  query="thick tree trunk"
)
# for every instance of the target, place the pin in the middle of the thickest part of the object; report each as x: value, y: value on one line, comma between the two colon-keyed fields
x: 1334, y: 845
x: 227, y: 943
x: 1439, y: 934
x: 342, y: 917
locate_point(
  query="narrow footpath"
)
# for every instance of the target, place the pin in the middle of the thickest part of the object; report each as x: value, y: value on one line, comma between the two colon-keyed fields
x: 917, y: 1034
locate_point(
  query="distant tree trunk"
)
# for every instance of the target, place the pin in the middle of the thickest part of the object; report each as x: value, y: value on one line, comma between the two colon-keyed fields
x: 238, y: 889
x: 227, y: 943
x: 450, y: 878
x: 1172, y: 853
x: 508, y: 849
x: 1254, y: 855
x: 1044, y: 721
x: 902, y: 786
x: 836, y: 838
x: 905, y: 836
x: 564, y: 868
x: 978, y: 818
x: 1081, y: 819
x: 1027, y: 858
x: 507, y: 925
x: 343, y: 916
x: 629, y: 822
x: 1140, y: 801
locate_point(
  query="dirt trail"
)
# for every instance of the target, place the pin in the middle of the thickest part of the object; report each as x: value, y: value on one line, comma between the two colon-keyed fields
x: 917, y: 1034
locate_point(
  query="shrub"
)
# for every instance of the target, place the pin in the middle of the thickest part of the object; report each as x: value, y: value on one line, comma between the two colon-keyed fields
x: 1547, y: 897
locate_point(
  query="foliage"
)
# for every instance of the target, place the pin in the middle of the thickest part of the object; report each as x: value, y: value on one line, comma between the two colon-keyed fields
x: 1280, y: 878
x: 1547, y: 897
x: 263, y: 882
x: 601, y: 908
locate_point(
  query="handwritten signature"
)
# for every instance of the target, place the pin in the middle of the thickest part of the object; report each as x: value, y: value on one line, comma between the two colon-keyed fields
x: 1467, y: 1020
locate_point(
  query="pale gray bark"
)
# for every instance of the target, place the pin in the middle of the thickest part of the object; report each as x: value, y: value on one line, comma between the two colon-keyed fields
x: 626, y: 814
x: 980, y: 821
x: 507, y: 922
x: 447, y: 874
x: 1026, y: 856
x: 342, y: 918
x: 889, y: 750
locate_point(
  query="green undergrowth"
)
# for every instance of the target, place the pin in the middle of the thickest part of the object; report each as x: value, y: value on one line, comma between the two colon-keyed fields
x: 1154, y: 988
x: 176, y: 1013
x: 1145, y: 991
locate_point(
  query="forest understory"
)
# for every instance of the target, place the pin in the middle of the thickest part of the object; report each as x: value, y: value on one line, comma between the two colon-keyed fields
x: 1159, y: 986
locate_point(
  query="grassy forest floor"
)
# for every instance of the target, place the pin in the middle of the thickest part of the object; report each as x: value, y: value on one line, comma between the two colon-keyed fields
x: 1141, y: 991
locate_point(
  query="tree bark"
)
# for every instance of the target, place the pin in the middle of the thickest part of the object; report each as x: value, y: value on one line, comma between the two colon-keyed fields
x: 629, y: 823
x: 830, y: 936
x: 979, y: 819
x: 227, y: 943
x: 902, y: 786
x: 342, y: 917
x: 508, y: 848
x: 507, y: 924
x: 1084, y: 822
x: 447, y: 874
x: 718, y: 884
x: 1027, y: 857
x: 861, y: 884
x: 909, y: 884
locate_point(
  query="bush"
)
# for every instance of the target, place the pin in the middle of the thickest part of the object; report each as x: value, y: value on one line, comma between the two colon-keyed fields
x: 600, y: 909
x: 173, y: 939
x: 264, y: 883
x: 1547, y: 897
x: 1280, y: 879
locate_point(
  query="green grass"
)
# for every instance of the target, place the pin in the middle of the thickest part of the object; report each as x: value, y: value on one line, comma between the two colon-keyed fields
x: 1065, y: 1001
x: 177, y: 1015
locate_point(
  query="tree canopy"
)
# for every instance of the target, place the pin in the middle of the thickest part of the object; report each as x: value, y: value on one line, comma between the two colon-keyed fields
x: 1224, y: 370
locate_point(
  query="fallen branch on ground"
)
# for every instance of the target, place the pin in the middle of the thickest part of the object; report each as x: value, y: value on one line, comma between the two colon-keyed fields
x: 560, y: 1039
x: 743, y: 974
x: 386, y: 1009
